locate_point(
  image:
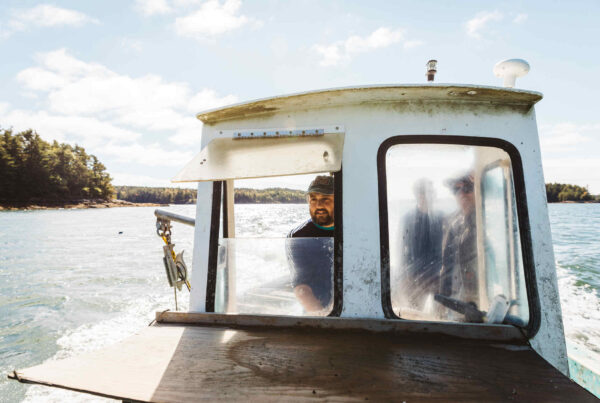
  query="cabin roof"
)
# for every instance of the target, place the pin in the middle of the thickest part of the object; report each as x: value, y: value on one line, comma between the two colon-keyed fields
x: 372, y: 94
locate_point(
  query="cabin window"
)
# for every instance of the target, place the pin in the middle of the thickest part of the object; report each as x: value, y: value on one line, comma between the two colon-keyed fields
x: 260, y: 269
x: 450, y: 232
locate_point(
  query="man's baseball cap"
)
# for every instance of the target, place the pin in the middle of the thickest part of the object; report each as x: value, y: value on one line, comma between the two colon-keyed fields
x: 322, y: 184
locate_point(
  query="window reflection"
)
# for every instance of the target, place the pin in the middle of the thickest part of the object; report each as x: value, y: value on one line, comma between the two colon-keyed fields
x: 254, y: 275
x: 453, y: 235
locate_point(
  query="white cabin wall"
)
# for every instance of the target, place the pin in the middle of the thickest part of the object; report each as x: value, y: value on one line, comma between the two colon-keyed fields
x: 366, y: 127
x: 549, y: 341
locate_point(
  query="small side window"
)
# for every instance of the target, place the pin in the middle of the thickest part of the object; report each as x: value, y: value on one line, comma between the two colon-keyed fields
x: 452, y: 249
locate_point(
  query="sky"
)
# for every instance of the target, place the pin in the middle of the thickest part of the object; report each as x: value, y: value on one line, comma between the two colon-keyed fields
x: 125, y: 79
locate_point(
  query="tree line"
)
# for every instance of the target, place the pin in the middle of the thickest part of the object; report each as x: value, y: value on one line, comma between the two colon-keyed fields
x: 142, y: 194
x: 163, y: 195
x: 555, y: 192
x: 561, y: 192
x: 33, y: 170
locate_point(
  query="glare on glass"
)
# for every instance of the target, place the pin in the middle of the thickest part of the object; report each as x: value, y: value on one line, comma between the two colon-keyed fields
x: 454, y: 247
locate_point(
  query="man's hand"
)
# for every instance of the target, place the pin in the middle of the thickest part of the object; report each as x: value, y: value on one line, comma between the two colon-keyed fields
x: 306, y: 297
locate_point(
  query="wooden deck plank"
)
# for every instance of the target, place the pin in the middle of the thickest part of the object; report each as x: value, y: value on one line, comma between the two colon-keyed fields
x: 174, y: 363
x: 461, y: 330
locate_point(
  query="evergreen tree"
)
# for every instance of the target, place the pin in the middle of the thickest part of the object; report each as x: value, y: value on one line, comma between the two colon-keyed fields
x: 33, y: 170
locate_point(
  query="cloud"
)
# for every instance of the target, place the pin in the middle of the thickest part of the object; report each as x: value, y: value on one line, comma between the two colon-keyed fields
x: 83, y: 130
x: 566, y: 136
x: 208, y: 99
x: 118, y: 115
x: 153, y: 7
x: 74, y: 87
x: 578, y: 171
x: 211, y: 19
x: 154, y: 154
x: 46, y: 16
x: 124, y: 179
x: 478, y: 23
x: 341, y: 51
x: 569, y: 153
x: 520, y: 18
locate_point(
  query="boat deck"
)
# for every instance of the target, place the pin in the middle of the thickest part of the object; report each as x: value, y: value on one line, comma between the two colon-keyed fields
x: 187, y: 362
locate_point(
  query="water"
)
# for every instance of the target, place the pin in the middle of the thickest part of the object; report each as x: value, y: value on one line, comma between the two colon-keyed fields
x: 576, y: 238
x: 69, y: 282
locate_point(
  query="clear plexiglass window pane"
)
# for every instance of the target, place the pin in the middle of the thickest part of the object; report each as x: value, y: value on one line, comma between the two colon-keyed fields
x: 275, y: 276
x: 454, y: 245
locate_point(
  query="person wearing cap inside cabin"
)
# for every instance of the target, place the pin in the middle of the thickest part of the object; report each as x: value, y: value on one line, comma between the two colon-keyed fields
x: 311, y: 260
x: 458, y: 276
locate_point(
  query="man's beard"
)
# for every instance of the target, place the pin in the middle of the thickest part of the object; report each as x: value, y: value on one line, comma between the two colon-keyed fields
x: 324, y: 220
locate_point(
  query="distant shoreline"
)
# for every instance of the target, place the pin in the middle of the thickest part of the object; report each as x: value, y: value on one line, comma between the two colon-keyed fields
x: 576, y: 202
x: 74, y: 204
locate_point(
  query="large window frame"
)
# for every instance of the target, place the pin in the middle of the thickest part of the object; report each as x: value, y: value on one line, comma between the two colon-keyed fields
x: 522, y: 215
x: 219, y: 201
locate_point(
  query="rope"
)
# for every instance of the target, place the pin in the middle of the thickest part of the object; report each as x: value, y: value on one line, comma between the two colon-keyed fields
x: 153, y: 321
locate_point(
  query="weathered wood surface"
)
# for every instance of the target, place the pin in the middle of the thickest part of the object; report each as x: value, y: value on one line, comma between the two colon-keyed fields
x: 461, y: 330
x: 175, y: 363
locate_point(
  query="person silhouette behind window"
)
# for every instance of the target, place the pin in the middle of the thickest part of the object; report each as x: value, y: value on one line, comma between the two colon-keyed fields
x: 459, y: 275
x: 421, y: 253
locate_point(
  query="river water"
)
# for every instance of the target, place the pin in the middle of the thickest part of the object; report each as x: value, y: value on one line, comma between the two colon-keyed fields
x: 76, y: 280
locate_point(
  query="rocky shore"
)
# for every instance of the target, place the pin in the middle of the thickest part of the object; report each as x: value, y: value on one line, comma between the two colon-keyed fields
x: 75, y: 204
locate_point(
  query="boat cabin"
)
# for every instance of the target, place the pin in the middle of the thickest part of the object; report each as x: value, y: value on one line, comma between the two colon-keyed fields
x: 391, y: 151
x: 436, y: 281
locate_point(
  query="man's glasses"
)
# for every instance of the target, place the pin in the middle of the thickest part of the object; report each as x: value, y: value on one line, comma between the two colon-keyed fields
x: 464, y: 187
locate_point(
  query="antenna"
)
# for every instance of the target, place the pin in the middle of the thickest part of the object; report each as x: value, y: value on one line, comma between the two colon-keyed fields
x: 510, y: 69
x: 431, y: 70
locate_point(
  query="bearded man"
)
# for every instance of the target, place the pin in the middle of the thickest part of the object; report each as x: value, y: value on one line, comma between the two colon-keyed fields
x: 311, y: 259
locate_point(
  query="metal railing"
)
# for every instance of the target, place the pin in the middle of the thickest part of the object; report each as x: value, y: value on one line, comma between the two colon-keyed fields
x: 167, y: 215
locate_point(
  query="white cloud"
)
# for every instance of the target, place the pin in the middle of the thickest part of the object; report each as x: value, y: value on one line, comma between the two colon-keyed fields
x: 335, y: 53
x: 520, y: 18
x: 153, y: 154
x: 211, y: 19
x: 569, y: 154
x: 578, y: 171
x: 39, y: 79
x: 188, y: 133
x: 75, y: 87
x: 88, y: 131
x: 567, y: 136
x: 479, y: 22
x: 125, y: 179
x: 45, y: 15
x: 114, y: 114
x: 208, y: 99
x: 153, y: 7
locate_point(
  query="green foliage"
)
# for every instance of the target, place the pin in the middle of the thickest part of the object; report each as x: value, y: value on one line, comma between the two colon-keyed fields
x: 270, y: 195
x: 560, y: 192
x: 136, y: 194
x: 33, y: 170
x: 139, y: 194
